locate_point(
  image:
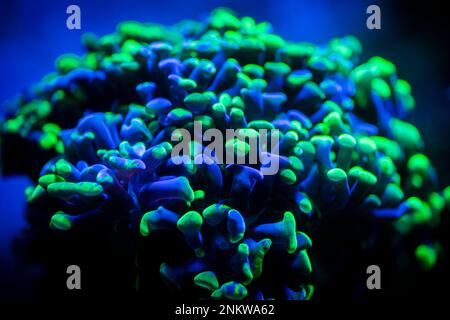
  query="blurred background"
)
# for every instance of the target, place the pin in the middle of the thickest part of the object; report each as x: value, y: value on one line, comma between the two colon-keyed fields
x: 415, y: 37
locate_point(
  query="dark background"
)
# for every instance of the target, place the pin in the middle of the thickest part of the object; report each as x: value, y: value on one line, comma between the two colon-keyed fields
x: 415, y: 36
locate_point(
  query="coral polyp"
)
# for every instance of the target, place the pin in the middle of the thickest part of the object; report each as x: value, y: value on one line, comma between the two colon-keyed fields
x: 347, y: 153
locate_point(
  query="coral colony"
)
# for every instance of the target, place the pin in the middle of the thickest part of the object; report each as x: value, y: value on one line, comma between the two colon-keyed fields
x: 106, y: 123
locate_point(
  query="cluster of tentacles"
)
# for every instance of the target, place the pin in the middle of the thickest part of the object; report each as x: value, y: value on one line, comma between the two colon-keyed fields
x: 346, y: 150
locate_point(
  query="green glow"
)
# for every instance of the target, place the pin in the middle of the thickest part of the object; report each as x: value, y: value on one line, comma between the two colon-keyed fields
x: 48, y: 179
x: 381, y: 87
x: 367, y: 146
x: 336, y: 175
x: 207, y: 280
x: 288, y: 176
x: 406, y: 134
x: 60, y: 221
x: 306, y: 206
x: 191, y: 220
x: 67, y: 63
x: 290, y: 227
x: 427, y: 256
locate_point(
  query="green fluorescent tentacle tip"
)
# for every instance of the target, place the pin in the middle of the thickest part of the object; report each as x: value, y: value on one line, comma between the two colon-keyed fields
x: 60, y: 221
x: 207, y: 280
